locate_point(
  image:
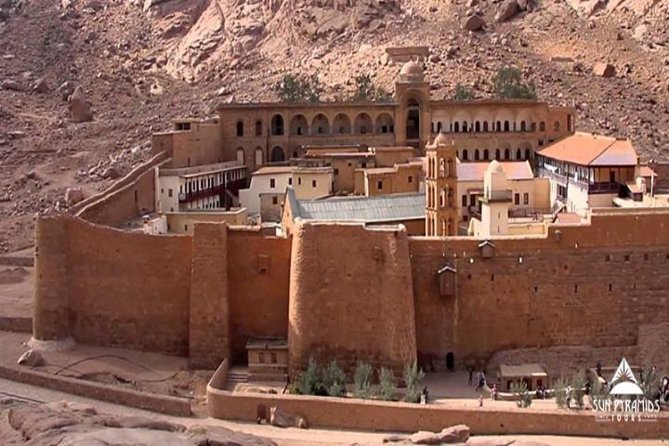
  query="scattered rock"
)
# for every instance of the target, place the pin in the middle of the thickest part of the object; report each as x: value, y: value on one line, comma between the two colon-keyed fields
x: 454, y: 434
x: 220, y: 436
x: 604, y: 70
x: 16, y: 134
x: 31, y: 358
x: 10, y: 84
x: 73, y: 195
x: 425, y: 437
x: 80, y: 108
x: 507, y: 11
x: 474, y: 23
x: 111, y: 173
x: 66, y: 89
x: 279, y: 418
x: 41, y: 86
x: 148, y: 423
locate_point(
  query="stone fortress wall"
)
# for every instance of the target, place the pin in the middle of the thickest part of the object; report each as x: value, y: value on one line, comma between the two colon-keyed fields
x: 353, y: 292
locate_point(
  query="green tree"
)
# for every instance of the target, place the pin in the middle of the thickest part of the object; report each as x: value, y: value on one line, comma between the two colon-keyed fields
x: 362, y: 380
x: 578, y: 388
x: 309, y: 382
x: 509, y: 84
x: 413, y: 378
x: 334, y: 379
x: 297, y: 88
x: 560, y: 390
x: 365, y: 90
x: 462, y: 93
x: 522, y: 394
x: 387, y: 381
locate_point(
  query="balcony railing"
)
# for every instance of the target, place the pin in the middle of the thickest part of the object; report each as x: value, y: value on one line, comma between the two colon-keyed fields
x: 202, y: 193
x: 497, y: 195
x: 604, y: 188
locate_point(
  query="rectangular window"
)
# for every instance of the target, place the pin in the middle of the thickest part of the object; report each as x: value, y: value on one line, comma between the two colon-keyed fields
x: 336, y: 171
x: 299, y: 181
x: 516, y: 199
x: 410, y: 179
x: 275, y: 200
x: 313, y: 183
x: 169, y: 193
x: 526, y: 198
x: 464, y: 201
x: 379, y: 185
x: 272, y: 183
x: 472, y: 200
x: 290, y: 181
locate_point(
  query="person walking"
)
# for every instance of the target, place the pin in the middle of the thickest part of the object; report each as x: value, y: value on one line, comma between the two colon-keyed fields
x: 470, y: 369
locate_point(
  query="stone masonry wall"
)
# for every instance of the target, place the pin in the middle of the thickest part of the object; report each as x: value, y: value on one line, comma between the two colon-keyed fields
x: 258, y: 272
x: 350, y: 296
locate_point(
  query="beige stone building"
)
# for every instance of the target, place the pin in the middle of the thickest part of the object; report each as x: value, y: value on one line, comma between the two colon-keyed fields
x: 441, y: 208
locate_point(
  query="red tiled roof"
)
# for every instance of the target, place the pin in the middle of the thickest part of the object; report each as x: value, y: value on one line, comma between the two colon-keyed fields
x: 587, y: 149
x: 514, y: 170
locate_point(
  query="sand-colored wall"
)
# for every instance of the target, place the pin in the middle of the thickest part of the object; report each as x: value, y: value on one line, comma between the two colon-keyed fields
x: 184, y: 222
x: 197, y: 146
x: 258, y: 272
x: 350, y: 296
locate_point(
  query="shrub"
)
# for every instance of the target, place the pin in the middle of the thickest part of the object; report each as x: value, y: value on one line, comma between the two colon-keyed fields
x: 462, y: 93
x: 597, y: 393
x: 362, y: 386
x: 334, y: 379
x: 309, y: 383
x: 387, y: 381
x: 413, y: 377
x: 560, y: 389
x: 650, y: 383
x: 578, y: 388
x: 509, y: 84
x: 365, y: 90
x: 522, y: 394
x: 296, y: 88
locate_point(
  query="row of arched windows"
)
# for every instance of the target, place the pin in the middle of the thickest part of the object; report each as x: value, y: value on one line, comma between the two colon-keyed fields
x: 499, y: 154
x: 493, y: 126
x: 321, y: 125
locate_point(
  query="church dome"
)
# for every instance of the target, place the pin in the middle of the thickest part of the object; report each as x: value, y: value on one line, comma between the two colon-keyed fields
x: 411, y: 72
x: 440, y: 140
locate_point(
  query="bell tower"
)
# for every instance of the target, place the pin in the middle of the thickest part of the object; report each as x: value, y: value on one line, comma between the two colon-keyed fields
x: 441, y: 204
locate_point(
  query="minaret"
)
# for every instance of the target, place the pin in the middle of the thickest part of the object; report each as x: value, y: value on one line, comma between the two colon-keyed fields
x: 441, y: 181
x: 495, y: 202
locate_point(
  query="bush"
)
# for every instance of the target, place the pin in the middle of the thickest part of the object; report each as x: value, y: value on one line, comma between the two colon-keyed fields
x: 365, y: 90
x: 522, y: 394
x: 362, y: 385
x: 509, y: 84
x: 578, y: 388
x: 309, y: 383
x: 462, y: 93
x: 334, y: 380
x: 413, y: 377
x: 560, y: 389
x: 387, y: 381
x: 597, y: 393
x: 650, y: 383
x: 295, y: 88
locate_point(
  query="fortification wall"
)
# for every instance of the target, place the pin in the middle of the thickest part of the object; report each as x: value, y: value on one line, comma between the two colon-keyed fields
x: 350, y: 296
x: 587, y: 285
x: 258, y: 272
x: 108, y: 287
x: 129, y: 198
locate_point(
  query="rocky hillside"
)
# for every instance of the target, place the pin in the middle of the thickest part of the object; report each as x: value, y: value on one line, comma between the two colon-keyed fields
x: 141, y: 63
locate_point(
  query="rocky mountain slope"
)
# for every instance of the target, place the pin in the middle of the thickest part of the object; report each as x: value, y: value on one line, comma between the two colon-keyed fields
x: 142, y: 63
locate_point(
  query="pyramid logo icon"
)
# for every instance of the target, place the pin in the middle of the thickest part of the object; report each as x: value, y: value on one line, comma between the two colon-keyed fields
x: 624, y: 382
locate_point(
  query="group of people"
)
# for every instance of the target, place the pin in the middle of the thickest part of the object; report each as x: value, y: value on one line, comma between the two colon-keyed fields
x: 541, y: 392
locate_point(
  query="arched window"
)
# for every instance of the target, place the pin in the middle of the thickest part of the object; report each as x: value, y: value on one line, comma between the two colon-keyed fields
x: 277, y: 125
x: 432, y: 127
x: 384, y: 123
x: 465, y: 156
x: 507, y: 154
x: 518, y: 154
x: 456, y: 127
x: 497, y: 155
x: 442, y: 199
x: 240, y: 128
x: 342, y: 124
x: 486, y: 154
x: 320, y: 125
x: 439, y: 126
x: 464, y: 126
x: 498, y: 126
x: 506, y: 126
x: 258, y: 157
x: 542, y: 126
x: 277, y: 154
x: 477, y: 126
x: 363, y: 124
x: 476, y: 154
x: 258, y: 128
x: 485, y: 126
x: 528, y: 154
x: 299, y: 125
x: 240, y: 155
x: 523, y: 126
x: 557, y: 126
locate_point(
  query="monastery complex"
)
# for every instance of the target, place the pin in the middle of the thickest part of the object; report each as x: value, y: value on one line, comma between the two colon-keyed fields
x: 415, y: 229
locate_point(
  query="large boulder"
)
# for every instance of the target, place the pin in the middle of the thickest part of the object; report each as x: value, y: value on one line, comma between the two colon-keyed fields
x: 31, y: 358
x: 604, y: 70
x: 454, y: 434
x: 280, y: 418
x: 80, y: 108
x: 474, y: 23
x: 73, y: 195
x: 11, y: 84
x: 507, y: 11
x: 41, y: 86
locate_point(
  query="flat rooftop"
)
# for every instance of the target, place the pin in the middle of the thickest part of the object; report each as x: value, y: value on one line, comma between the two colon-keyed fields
x: 204, y: 169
